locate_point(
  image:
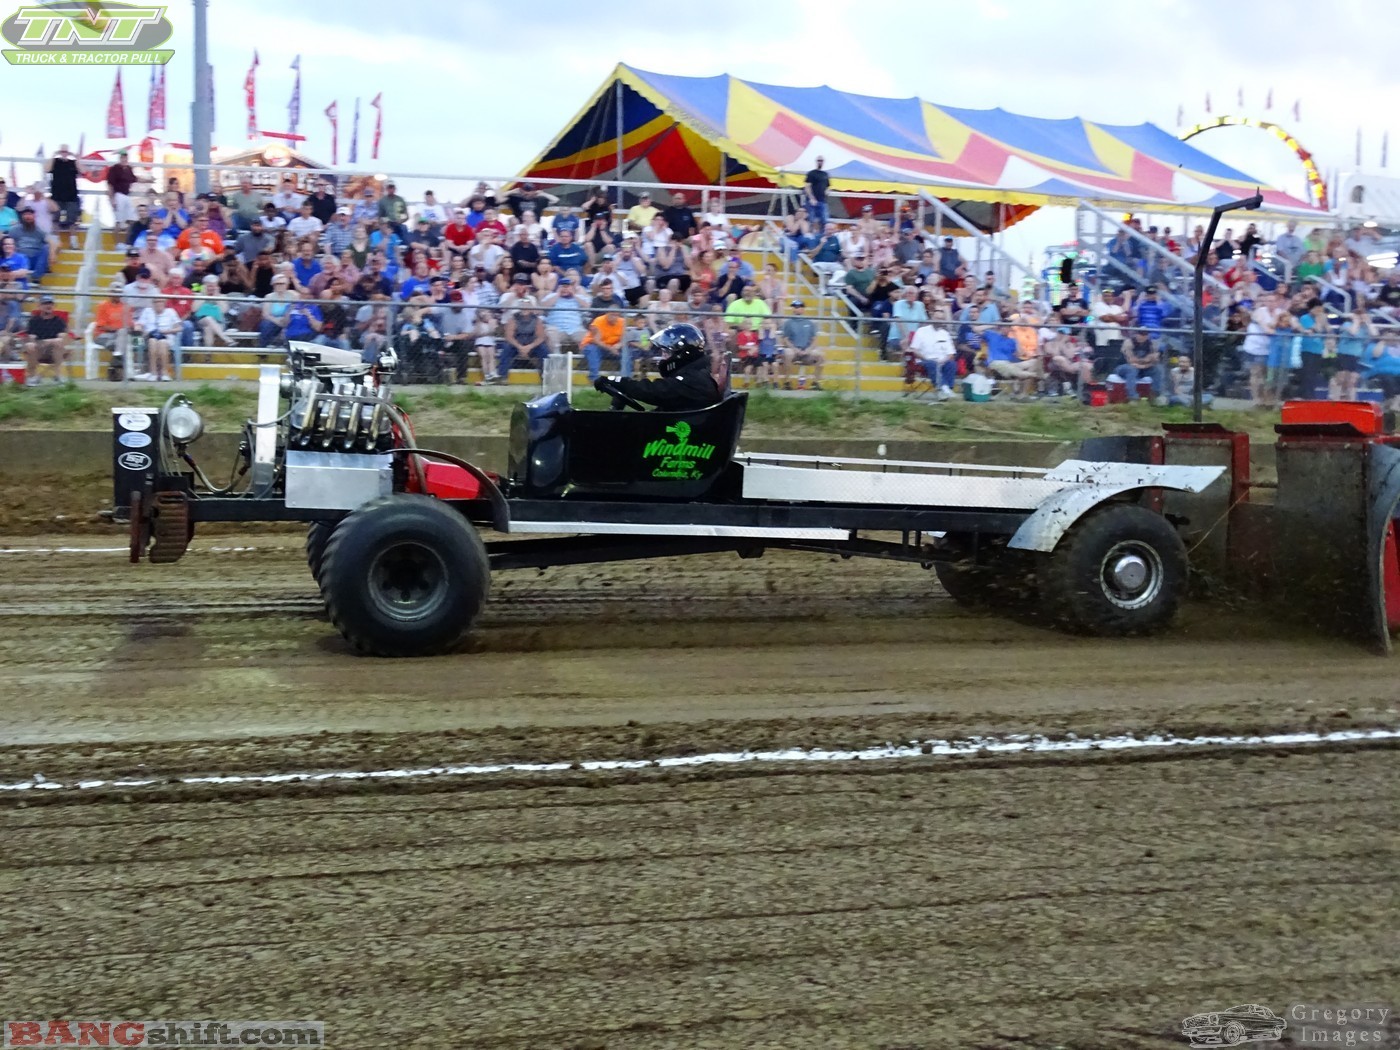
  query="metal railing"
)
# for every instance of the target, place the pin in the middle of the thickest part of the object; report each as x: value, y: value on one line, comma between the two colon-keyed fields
x: 1172, y: 266
x: 87, y: 276
x: 1002, y: 262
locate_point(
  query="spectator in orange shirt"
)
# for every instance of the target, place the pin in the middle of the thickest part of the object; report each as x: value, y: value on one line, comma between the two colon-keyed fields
x: 198, y: 233
x: 606, y: 338
x: 111, y: 329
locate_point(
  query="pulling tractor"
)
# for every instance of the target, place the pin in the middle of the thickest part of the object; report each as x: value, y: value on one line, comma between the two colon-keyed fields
x: 403, y: 540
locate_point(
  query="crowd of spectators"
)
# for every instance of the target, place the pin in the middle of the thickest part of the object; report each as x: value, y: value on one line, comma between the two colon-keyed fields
x: 483, y: 284
x: 1310, y: 315
x: 491, y: 283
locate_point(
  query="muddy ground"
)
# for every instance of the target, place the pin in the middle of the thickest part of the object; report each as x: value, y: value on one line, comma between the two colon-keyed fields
x: 1089, y: 900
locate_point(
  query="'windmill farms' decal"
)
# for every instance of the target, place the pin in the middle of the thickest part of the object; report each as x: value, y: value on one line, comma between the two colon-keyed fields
x: 679, y: 458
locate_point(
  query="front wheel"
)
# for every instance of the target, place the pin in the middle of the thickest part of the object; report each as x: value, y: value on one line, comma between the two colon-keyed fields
x: 1121, y: 570
x: 404, y: 575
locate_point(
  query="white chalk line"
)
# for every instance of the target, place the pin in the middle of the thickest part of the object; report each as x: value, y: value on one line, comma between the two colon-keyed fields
x: 1016, y: 743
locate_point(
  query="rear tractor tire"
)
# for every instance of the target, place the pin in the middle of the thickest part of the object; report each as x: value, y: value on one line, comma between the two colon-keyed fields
x: 1120, y: 570
x: 404, y: 575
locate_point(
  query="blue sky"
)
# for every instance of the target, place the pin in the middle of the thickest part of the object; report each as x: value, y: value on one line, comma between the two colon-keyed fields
x: 479, y: 88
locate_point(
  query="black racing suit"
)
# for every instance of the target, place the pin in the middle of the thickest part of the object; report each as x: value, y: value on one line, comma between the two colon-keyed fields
x: 691, y: 387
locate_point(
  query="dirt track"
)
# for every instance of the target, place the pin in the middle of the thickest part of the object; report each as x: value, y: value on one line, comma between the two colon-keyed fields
x: 1085, y: 901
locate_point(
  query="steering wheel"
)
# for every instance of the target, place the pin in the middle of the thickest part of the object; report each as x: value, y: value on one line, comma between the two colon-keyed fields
x: 609, y: 386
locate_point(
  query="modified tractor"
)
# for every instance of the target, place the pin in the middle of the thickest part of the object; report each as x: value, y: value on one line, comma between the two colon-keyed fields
x: 398, y: 534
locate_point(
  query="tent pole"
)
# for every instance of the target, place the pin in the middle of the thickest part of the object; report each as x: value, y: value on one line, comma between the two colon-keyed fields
x: 617, y: 101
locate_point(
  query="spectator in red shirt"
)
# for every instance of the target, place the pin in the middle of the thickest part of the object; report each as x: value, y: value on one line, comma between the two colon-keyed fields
x: 458, y: 233
x: 492, y: 221
x: 177, y: 298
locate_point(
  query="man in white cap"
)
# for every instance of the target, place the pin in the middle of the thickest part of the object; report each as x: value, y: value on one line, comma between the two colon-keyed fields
x: 338, y: 234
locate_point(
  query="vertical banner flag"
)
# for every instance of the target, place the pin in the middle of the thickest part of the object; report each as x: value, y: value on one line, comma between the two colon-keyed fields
x: 331, y: 112
x: 116, y: 111
x: 1269, y: 99
x: 213, y: 109
x: 1385, y: 149
x: 294, y: 106
x: 1180, y: 115
x: 1240, y: 98
x: 1298, y: 110
x: 1358, y: 147
x: 250, y: 97
x: 1207, y: 101
x: 354, y: 157
x: 377, y: 103
x: 155, y: 108
x: 82, y: 144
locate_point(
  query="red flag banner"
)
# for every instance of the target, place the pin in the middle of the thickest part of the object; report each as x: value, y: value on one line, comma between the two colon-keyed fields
x: 250, y: 97
x: 116, y: 111
x: 155, y: 108
x: 335, y: 132
x: 377, y: 103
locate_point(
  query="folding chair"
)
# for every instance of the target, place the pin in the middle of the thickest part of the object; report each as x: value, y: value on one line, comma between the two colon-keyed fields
x: 917, y: 381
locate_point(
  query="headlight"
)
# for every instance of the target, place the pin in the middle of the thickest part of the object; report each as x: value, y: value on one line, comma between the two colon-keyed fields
x: 183, y: 424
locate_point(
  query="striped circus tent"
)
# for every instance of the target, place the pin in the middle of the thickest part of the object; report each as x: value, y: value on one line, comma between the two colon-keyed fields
x: 992, y: 165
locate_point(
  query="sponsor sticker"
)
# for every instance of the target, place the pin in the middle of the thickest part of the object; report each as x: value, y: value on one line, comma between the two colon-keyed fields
x: 134, y: 460
x: 134, y: 421
x: 134, y: 440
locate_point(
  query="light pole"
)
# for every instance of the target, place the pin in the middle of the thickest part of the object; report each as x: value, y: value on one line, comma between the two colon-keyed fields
x: 1198, y: 342
x: 199, y: 111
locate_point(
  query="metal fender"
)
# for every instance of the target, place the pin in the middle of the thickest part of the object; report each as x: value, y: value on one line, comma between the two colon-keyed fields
x: 1093, y: 483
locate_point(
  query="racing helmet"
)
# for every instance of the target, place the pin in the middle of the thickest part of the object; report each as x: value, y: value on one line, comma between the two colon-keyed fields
x: 679, y: 345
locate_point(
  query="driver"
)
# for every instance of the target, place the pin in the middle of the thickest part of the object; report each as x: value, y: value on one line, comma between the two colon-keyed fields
x: 685, y: 381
